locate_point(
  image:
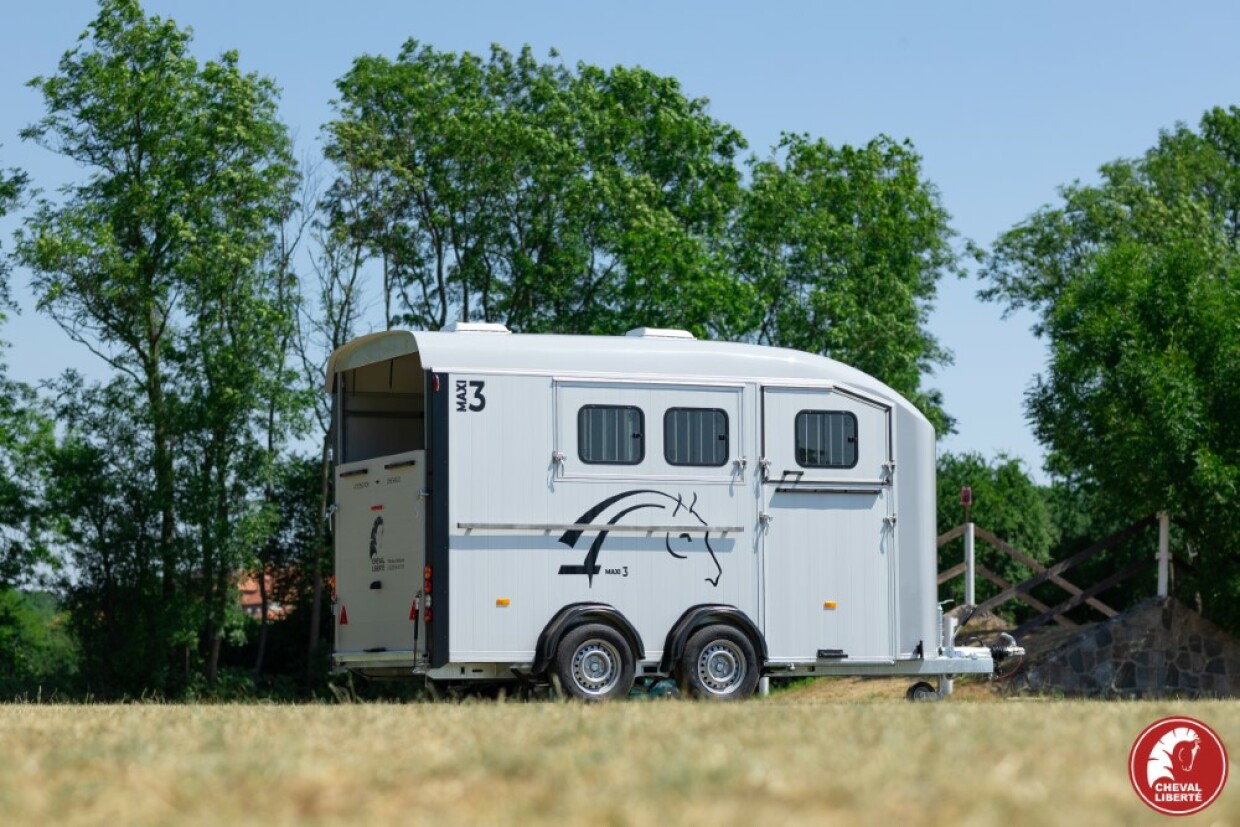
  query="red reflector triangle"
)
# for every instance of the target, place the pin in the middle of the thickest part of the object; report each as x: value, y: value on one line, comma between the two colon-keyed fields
x: 344, y: 616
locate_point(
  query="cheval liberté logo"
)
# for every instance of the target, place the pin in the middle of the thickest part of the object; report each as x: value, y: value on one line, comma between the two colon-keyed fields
x: 1178, y: 766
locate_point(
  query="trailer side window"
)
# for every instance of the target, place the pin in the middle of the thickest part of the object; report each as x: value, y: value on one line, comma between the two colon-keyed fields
x: 695, y: 436
x: 611, y: 435
x: 826, y: 439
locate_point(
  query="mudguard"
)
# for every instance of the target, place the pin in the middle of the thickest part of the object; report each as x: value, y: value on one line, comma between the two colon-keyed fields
x: 695, y: 617
x: 575, y: 614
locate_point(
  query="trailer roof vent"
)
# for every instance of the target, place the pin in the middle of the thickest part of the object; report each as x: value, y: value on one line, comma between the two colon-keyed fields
x: 475, y: 327
x: 659, y: 333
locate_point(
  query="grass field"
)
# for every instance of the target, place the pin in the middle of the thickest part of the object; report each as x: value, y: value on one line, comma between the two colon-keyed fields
x: 799, y: 757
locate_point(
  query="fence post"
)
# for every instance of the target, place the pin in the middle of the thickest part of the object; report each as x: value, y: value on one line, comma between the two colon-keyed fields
x: 970, y: 574
x: 1164, y: 552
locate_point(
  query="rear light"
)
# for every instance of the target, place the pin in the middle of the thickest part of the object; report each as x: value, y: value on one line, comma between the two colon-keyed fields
x: 426, y: 615
x: 426, y: 580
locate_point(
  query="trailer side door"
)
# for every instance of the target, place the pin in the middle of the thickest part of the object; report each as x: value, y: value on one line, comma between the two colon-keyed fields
x: 829, y: 524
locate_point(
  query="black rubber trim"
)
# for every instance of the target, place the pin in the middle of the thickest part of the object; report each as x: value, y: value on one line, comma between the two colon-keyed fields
x: 437, y: 509
x: 575, y: 614
x: 695, y: 617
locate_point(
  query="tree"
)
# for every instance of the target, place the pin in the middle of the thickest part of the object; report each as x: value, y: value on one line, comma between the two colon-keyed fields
x: 36, y: 653
x: 22, y: 430
x: 106, y: 524
x: 843, y: 248
x: 1137, y: 284
x: 1006, y: 502
x: 160, y: 263
x: 38, y: 656
x: 543, y: 197
x: 323, y: 328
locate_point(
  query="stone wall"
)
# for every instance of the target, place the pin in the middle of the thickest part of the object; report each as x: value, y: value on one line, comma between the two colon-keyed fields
x: 1158, y: 648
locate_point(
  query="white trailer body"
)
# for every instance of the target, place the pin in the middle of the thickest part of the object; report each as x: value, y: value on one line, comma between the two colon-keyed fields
x: 496, y: 491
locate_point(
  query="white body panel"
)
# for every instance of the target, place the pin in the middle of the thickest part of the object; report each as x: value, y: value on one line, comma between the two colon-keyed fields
x: 504, y: 474
x: 751, y: 527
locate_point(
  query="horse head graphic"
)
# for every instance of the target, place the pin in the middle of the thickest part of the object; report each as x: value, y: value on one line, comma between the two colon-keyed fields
x: 376, y: 536
x: 1174, y: 753
x: 638, y: 500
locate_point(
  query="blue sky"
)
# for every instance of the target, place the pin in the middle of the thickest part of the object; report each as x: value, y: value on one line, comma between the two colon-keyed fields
x: 1005, y: 102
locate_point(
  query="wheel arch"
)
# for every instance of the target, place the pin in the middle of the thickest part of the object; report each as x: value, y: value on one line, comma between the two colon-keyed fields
x: 574, y: 615
x: 697, y: 617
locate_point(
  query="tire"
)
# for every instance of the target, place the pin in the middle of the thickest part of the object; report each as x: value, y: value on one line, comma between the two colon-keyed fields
x: 921, y: 692
x: 719, y: 664
x: 594, y: 662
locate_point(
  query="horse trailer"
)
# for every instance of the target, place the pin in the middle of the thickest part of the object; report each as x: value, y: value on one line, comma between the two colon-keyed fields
x: 592, y: 510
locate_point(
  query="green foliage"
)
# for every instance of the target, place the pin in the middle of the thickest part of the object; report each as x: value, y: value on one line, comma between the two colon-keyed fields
x: 1137, y: 282
x: 295, y: 552
x: 843, y: 248
x: 1007, y: 503
x: 547, y: 198
x: 107, y: 524
x: 38, y: 655
x: 22, y: 431
x: 12, y: 184
x: 165, y: 261
x: 583, y: 200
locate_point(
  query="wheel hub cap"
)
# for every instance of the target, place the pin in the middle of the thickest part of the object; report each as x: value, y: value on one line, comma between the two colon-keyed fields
x: 596, y: 667
x: 721, y: 667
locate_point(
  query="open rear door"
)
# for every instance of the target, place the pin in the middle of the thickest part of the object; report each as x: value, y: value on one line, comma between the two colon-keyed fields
x: 829, y: 520
x: 380, y: 552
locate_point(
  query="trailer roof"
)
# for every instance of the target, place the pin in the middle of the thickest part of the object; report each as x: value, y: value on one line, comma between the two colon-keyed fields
x: 645, y: 353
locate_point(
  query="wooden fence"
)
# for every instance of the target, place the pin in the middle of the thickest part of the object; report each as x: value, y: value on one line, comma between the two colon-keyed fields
x: 1077, y: 596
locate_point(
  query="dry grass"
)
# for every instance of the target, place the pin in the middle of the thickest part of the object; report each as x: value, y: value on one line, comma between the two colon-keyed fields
x: 795, y: 758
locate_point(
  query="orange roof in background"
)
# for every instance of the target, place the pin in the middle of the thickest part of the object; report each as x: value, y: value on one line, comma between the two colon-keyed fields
x: 251, y: 600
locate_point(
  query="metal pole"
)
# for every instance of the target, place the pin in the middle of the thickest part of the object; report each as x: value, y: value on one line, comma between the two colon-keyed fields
x: 1164, y: 552
x: 764, y: 686
x: 970, y: 582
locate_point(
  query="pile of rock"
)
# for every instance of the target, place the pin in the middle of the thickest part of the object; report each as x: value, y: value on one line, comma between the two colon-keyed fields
x: 1158, y: 648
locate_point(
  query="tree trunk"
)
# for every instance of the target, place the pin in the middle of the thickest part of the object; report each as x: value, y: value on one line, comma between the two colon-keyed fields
x: 213, y: 656
x: 262, y: 620
x: 323, y: 536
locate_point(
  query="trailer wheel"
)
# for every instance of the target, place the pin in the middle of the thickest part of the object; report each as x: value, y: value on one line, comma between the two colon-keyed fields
x: 719, y: 664
x: 921, y: 692
x: 595, y: 663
